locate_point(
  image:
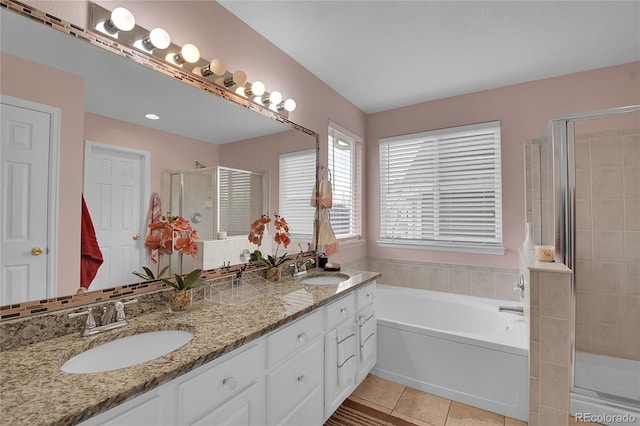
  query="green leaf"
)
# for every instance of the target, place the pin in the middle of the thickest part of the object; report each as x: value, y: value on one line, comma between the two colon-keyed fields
x: 163, y: 271
x: 192, y: 280
x: 180, y: 282
x: 170, y: 283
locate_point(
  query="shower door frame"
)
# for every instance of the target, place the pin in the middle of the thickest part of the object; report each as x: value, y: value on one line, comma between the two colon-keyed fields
x: 563, y: 141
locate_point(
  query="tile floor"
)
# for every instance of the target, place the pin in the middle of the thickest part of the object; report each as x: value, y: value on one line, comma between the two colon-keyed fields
x: 425, y: 409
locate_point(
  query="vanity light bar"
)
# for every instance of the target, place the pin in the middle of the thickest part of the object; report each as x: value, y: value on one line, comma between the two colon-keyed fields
x: 120, y: 25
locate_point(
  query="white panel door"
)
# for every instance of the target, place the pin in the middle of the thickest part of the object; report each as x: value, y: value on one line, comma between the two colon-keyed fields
x: 24, y: 158
x: 114, y: 188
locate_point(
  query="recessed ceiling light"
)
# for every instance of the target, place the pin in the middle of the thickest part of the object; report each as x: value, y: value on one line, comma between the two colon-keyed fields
x: 152, y: 117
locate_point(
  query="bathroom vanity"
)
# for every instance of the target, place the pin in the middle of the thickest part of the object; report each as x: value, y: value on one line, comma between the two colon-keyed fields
x: 271, y: 360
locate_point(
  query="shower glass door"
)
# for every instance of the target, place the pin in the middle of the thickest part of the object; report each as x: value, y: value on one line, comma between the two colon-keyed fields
x: 606, y: 165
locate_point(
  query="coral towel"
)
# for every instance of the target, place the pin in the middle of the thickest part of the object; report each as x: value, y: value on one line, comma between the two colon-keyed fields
x: 90, y: 254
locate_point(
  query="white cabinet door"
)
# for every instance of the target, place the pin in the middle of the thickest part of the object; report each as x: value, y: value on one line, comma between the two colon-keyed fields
x: 336, y: 387
x: 309, y: 412
x: 245, y: 409
x: 202, y: 391
x: 293, y: 380
x: 147, y: 409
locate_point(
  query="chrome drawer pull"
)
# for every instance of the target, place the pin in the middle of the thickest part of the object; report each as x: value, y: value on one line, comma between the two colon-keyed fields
x: 344, y: 311
x: 303, y: 337
x: 229, y: 383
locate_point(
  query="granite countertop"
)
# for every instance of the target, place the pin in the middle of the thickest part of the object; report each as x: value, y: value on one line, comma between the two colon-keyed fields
x: 35, y: 392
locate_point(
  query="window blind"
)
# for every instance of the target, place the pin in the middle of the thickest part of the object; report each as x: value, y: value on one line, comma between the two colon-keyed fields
x: 345, y: 165
x: 297, y: 180
x: 240, y: 199
x: 443, y: 188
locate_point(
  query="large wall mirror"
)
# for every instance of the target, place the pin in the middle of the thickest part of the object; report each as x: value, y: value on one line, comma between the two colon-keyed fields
x: 100, y: 98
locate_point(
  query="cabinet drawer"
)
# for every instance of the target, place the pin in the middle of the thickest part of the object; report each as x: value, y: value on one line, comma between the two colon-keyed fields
x: 293, y: 337
x: 209, y: 388
x: 294, y: 380
x: 340, y: 310
x: 366, y: 295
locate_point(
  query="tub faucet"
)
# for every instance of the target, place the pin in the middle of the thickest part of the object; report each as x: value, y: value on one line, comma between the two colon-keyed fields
x: 512, y: 309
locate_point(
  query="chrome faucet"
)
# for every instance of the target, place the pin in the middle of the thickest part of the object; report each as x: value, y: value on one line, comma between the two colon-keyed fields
x: 300, y: 268
x: 512, y: 309
x: 107, y: 320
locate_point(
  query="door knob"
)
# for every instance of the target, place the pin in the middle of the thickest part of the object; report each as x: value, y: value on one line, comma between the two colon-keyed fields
x: 36, y: 251
x: 136, y: 237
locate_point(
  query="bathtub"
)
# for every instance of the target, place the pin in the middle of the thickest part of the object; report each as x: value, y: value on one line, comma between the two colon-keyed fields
x: 454, y: 346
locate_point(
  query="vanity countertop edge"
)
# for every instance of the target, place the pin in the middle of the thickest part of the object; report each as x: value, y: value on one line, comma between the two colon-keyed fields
x: 35, y: 392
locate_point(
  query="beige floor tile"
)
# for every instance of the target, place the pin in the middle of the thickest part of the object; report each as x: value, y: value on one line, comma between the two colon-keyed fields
x: 370, y: 404
x: 379, y: 391
x: 423, y: 406
x: 416, y: 422
x: 465, y: 415
x: 508, y: 421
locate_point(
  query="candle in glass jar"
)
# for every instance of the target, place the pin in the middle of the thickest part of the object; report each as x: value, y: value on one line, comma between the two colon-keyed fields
x: 545, y: 253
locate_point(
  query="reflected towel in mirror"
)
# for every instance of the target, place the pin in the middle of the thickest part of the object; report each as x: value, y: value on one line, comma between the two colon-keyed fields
x: 155, y: 213
x: 90, y: 253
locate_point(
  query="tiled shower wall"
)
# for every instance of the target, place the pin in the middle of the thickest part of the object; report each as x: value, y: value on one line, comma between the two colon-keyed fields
x: 608, y: 243
x: 480, y: 281
x: 539, y: 189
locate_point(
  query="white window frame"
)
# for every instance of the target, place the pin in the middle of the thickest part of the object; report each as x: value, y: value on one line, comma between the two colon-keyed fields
x: 417, y: 170
x: 346, y: 180
x: 297, y: 177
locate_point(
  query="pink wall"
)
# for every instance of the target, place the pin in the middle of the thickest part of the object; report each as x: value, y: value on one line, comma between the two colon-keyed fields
x: 168, y: 151
x: 524, y: 111
x: 248, y: 155
x: 24, y: 79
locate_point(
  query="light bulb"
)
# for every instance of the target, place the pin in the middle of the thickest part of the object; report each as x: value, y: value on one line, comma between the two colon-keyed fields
x: 239, y: 78
x: 257, y: 89
x: 274, y: 98
x: 158, y: 38
x: 289, y: 105
x: 121, y: 20
x: 216, y: 66
x: 188, y: 53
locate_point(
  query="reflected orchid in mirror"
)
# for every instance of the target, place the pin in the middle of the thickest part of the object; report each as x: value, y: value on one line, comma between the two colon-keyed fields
x: 176, y: 234
x: 281, y: 236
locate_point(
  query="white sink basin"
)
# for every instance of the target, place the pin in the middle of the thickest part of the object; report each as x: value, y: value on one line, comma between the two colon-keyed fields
x: 326, y: 279
x: 126, y: 351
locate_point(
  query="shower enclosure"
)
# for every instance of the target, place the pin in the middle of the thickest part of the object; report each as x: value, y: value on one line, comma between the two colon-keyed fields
x: 585, y: 200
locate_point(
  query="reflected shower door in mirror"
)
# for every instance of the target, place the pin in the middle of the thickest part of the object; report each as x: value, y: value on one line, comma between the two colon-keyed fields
x: 220, y: 203
x: 103, y: 97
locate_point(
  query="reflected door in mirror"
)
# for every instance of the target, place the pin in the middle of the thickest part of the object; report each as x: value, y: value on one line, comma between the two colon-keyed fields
x: 24, y: 170
x: 114, y: 189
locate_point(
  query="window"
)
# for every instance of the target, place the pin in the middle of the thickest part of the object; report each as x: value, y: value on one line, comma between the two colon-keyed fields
x: 297, y: 179
x: 442, y: 189
x: 241, y: 198
x: 345, y: 167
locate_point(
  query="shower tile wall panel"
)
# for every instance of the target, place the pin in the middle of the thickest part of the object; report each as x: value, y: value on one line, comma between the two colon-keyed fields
x: 494, y: 283
x: 608, y: 243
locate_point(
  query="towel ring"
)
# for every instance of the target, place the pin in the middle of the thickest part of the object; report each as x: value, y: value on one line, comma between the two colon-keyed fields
x: 323, y: 168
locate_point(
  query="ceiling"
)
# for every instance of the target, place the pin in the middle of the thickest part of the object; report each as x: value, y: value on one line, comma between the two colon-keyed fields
x: 382, y: 55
